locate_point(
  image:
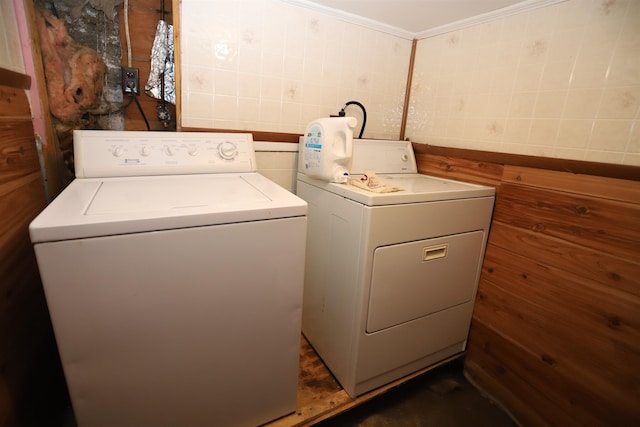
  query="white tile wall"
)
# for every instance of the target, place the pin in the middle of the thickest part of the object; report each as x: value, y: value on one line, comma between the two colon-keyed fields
x: 278, y: 162
x: 10, y: 50
x: 560, y: 81
x: 271, y: 66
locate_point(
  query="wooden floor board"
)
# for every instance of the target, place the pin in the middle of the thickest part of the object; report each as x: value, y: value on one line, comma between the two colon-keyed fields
x: 321, y: 397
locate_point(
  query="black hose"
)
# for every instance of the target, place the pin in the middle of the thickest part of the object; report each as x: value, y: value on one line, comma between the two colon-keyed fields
x: 364, y: 114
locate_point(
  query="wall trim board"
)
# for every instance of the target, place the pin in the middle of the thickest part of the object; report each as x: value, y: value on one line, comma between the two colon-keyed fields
x: 14, y: 79
x: 177, y: 52
x: 407, y: 91
x: 563, y: 165
x: 257, y: 135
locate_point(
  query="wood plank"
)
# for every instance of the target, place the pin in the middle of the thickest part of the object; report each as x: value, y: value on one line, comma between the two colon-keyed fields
x: 604, y: 225
x: 15, y: 80
x: 563, y: 263
x: 555, y: 319
x: 24, y: 329
x: 407, y: 90
x: 28, y: 389
x: 318, y: 390
x: 548, y: 163
x: 524, y: 381
x: 492, y: 386
x: 177, y: 67
x: 608, y: 188
x: 476, y: 172
x: 559, y: 400
x: 19, y: 207
x: 22, y: 306
x: 14, y: 103
x: 54, y: 166
x: 568, y: 299
x: 601, y: 267
x: 18, y: 152
x: 320, y: 397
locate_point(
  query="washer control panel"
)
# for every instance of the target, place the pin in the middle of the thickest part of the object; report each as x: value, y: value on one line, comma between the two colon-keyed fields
x: 102, y: 153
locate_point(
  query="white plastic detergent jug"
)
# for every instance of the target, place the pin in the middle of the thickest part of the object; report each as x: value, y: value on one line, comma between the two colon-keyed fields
x: 327, y: 149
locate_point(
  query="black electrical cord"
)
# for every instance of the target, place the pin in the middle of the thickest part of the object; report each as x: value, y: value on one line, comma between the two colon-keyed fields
x: 163, y: 112
x: 364, y: 114
x: 135, y: 98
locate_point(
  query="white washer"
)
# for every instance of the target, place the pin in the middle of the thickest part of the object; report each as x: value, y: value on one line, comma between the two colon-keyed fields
x: 390, y: 278
x: 173, y: 273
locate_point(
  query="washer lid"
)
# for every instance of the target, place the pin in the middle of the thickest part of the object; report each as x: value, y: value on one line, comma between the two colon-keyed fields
x: 416, y: 188
x: 95, y: 207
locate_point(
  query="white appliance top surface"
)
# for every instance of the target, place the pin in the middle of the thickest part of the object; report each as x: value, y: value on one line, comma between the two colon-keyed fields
x: 93, y: 207
x: 416, y: 188
x: 131, y: 182
x: 394, y: 162
x: 158, y: 194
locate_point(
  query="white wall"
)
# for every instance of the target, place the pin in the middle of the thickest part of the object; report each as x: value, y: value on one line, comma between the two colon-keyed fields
x: 278, y: 161
x: 272, y: 66
x: 10, y: 50
x: 561, y: 81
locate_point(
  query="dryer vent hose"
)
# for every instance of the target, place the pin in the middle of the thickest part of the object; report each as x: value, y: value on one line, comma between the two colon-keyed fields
x: 342, y: 113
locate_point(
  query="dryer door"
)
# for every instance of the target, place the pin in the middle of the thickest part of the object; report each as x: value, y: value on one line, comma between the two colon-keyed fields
x: 415, y: 279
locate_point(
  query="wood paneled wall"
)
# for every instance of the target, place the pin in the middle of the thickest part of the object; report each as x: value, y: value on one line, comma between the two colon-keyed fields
x: 32, y: 391
x: 555, y: 336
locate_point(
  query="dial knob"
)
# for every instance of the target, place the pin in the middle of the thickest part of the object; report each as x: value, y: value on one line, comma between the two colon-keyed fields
x: 404, y: 157
x: 192, y: 150
x: 169, y: 151
x: 145, y: 151
x: 117, y: 151
x: 227, y: 150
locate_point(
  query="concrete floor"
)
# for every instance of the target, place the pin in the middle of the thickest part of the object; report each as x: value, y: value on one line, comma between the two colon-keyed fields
x: 440, y: 398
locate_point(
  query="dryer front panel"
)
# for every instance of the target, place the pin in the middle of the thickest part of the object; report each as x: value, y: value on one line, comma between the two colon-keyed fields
x: 416, y: 279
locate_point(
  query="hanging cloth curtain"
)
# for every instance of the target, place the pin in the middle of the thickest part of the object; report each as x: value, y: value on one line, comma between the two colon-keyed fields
x: 162, y: 77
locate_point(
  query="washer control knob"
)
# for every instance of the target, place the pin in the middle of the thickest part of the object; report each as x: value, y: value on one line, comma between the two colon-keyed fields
x: 192, y: 150
x: 169, y: 151
x: 117, y: 151
x: 404, y: 157
x: 145, y: 151
x: 227, y: 150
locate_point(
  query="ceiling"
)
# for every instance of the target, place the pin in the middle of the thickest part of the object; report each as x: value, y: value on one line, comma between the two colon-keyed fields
x: 422, y: 17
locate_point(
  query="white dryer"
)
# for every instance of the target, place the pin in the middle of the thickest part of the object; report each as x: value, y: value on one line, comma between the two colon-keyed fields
x: 391, y: 278
x: 173, y: 273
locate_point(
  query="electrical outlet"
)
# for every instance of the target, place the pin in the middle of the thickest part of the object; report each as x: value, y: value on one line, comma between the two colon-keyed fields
x: 130, y: 80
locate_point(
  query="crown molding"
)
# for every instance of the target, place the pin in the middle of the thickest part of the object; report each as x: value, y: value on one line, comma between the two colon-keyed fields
x: 521, y: 7
x: 515, y: 9
x: 352, y: 18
